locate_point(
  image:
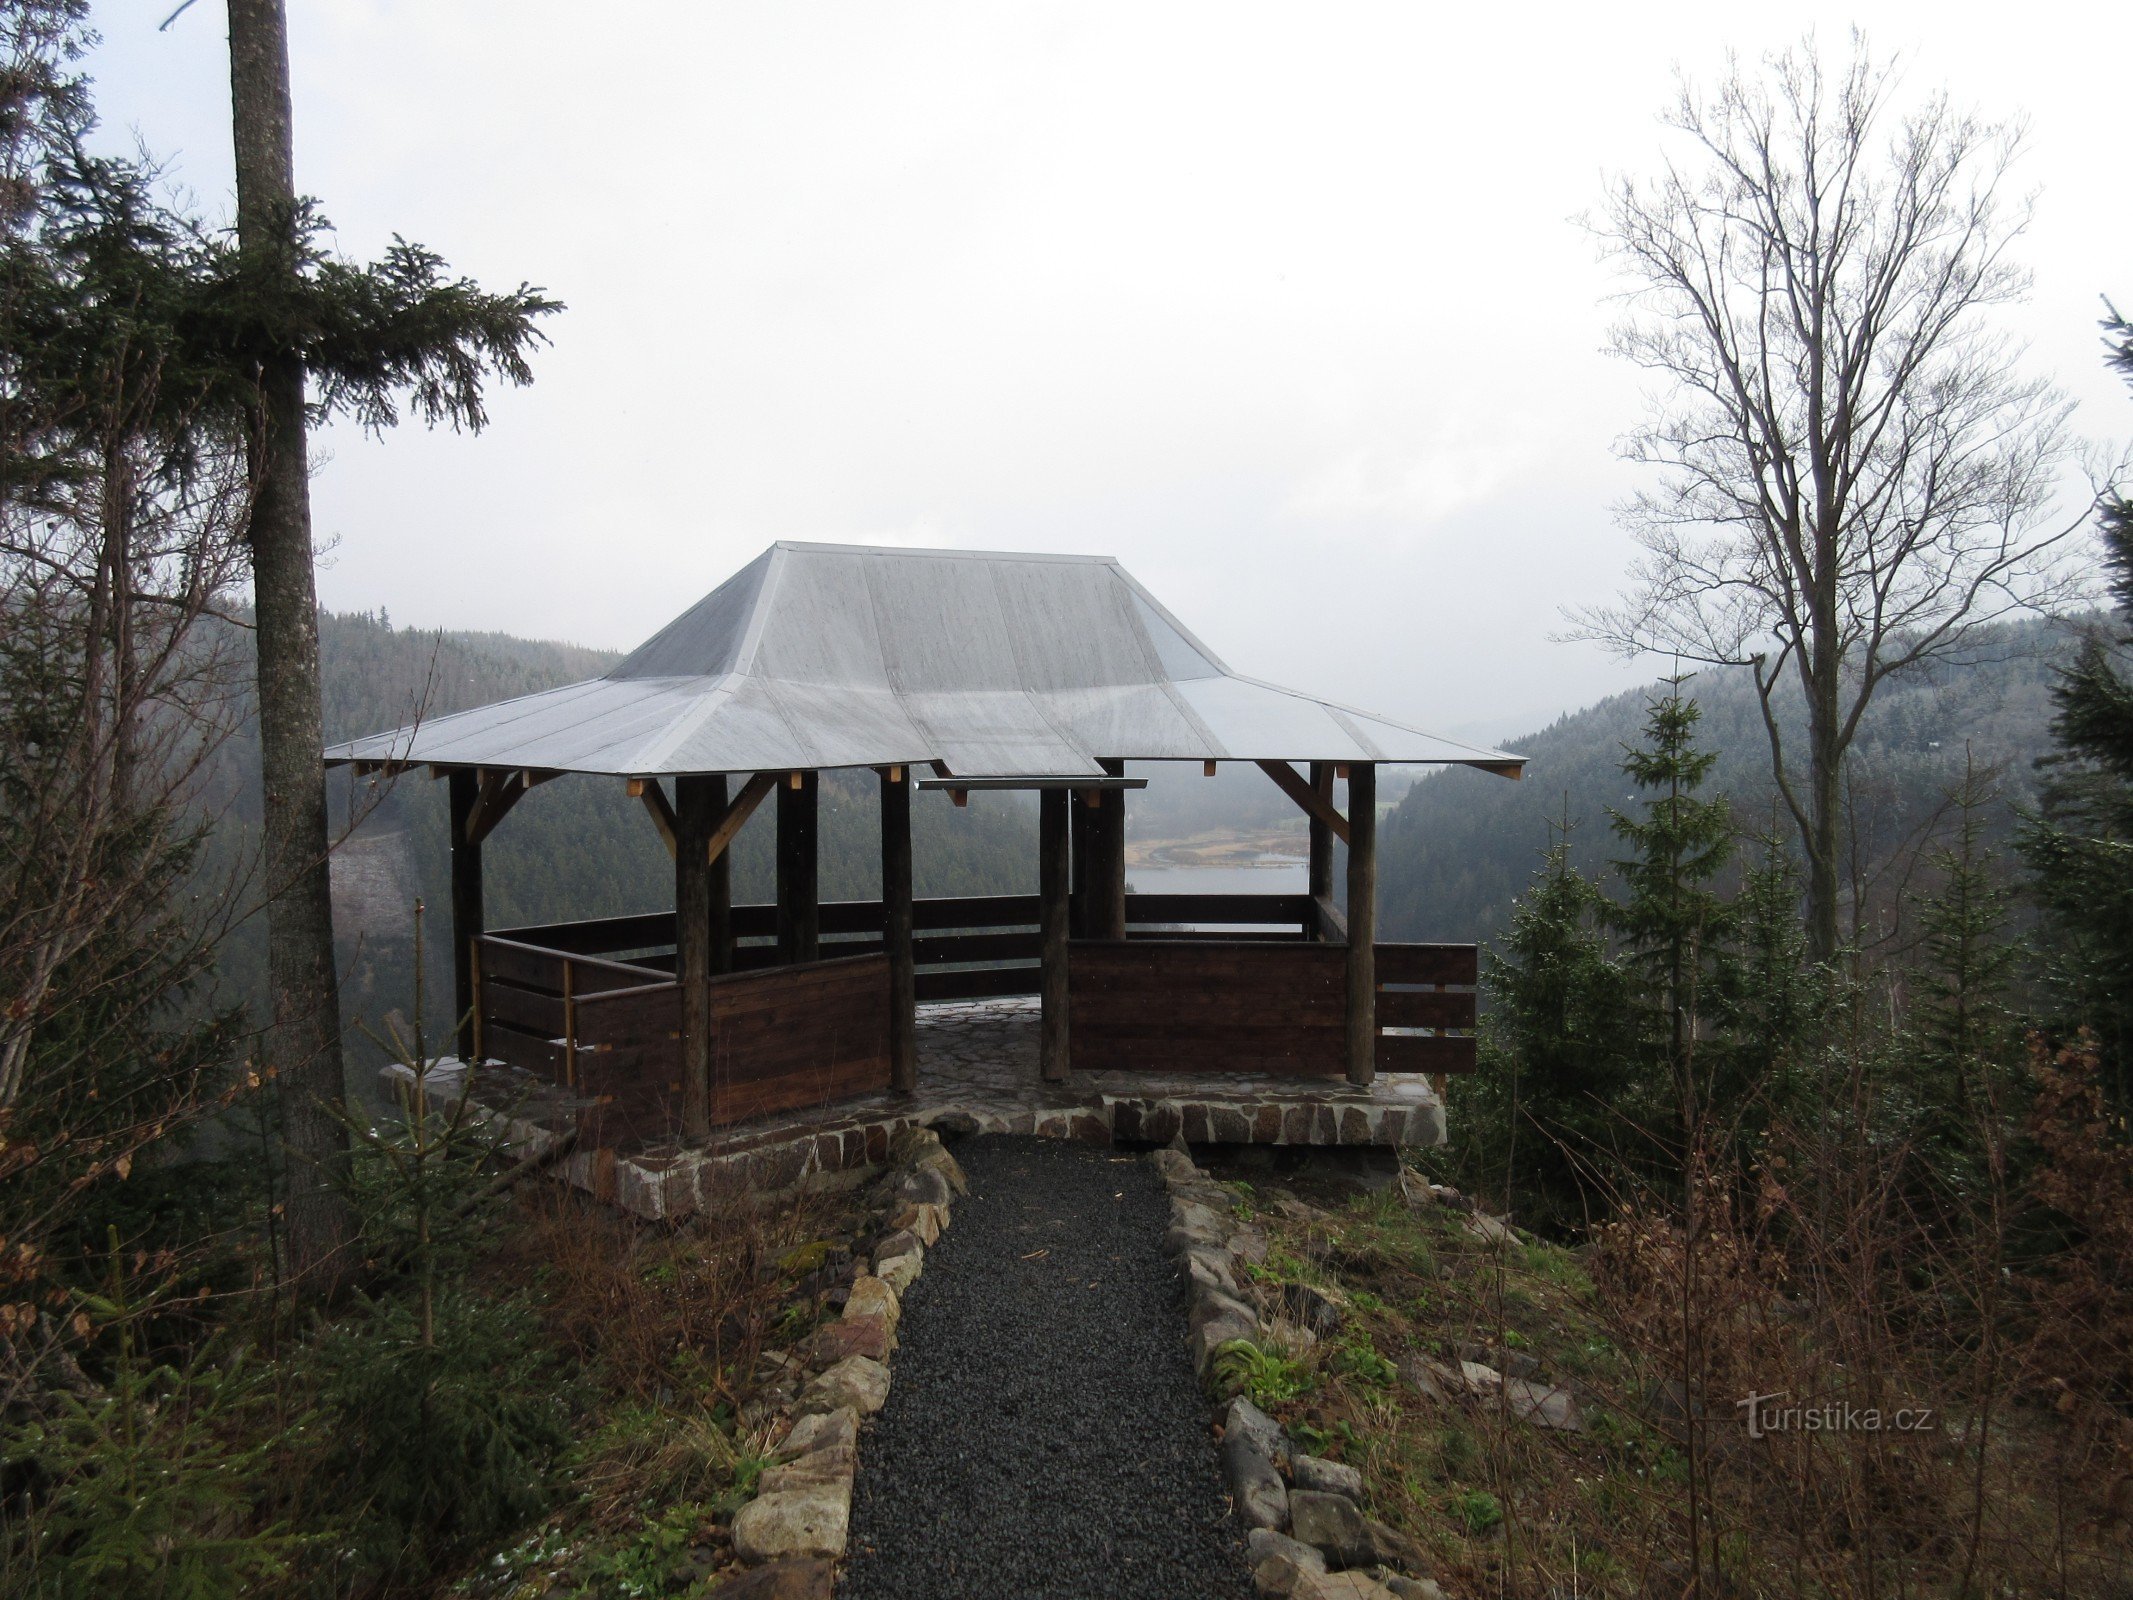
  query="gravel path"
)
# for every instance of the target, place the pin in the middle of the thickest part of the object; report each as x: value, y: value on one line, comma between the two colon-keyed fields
x: 1044, y: 1434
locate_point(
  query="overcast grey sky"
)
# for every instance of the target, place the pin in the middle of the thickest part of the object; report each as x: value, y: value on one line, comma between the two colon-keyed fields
x: 1283, y: 305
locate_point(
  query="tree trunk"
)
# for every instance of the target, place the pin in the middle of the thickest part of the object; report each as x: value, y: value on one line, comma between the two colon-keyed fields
x: 1825, y: 755
x: 304, y: 1043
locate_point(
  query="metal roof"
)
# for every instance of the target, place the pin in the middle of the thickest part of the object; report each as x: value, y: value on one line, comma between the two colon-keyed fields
x: 823, y: 655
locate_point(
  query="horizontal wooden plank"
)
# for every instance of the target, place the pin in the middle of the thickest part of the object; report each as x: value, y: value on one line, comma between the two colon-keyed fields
x: 945, y: 949
x: 1233, y: 936
x: 597, y: 936
x: 1418, y: 1052
x: 1217, y: 908
x: 521, y: 964
x: 506, y: 1005
x: 1428, y: 963
x: 974, y: 983
x: 1425, y: 1008
x: 532, y: 1052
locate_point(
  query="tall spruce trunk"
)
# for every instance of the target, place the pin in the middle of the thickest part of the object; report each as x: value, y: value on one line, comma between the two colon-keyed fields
x: 304, y: 1043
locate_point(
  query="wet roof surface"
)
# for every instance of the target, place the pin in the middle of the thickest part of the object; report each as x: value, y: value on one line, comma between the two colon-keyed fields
x: 816, y: 656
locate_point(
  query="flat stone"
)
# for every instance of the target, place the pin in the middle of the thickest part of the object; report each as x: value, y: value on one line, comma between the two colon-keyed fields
x: 1265, y: 1542
x: 923, y: 1186
x: 1490, y: 1230
x: 1211, y: 1334
x: 1331, y: 1522
x: 816, y: 1469
x: 849, y: 1336
x: 821, y: 1430
x: 1329, y: 1477
x: 1389, y: 1547
x: 1262, y: 1498
x: 1195, y: 1217
x: 1279, y: 1577
x: 1543, y: 1406
x: 1212, y: 1268
x: 1511, y: 1363
x: 922, y: 1222
x: 1478, y: 1380
x: 804, y: 1579
x: 870, y: 1297
x: 1245, y: 1419
x: 1344, y: 1586
x: 797, y: 1522
x: 1406, y: 1588
x: 1430, y: 1379
x: 854, y: 1384
x: 900, y: 1271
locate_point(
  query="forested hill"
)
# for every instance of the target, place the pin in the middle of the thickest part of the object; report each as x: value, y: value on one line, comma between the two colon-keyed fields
x: 1462, y: 844
x: 574, y: 847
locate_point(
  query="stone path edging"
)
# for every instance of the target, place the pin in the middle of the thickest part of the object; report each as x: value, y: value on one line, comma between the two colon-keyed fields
x: 795, y: 1529
x: 1310, y: 1539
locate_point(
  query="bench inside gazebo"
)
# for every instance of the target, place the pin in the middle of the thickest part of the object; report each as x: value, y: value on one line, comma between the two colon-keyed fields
x: 716, y: 1029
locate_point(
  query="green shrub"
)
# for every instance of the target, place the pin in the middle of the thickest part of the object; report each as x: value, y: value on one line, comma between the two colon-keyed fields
x: 144, y: 1492
x: 1477, y: 1510
x: 443, y: 1438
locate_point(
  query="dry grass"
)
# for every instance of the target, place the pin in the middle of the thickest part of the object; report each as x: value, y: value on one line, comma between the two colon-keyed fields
x: 1833, y: 1298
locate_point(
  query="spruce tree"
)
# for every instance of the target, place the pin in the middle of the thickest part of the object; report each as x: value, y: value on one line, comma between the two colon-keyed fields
x: 1560, y: 1085
x: 1671, y: 920
x: 1958, y: 1031
x: 2078, y: 845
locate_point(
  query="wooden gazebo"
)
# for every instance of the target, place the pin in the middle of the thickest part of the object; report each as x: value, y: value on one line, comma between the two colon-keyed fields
x: 959, y: 671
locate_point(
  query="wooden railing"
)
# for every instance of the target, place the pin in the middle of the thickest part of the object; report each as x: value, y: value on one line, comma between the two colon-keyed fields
x: 781, y: 1040
x: 965, y: 947
x: 1221, y: 1005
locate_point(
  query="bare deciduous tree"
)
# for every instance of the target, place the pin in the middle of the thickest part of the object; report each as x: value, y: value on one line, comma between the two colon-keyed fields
x: 1854, y: 477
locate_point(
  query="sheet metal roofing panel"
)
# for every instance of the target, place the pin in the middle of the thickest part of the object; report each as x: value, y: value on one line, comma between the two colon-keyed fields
x: 845, y: 655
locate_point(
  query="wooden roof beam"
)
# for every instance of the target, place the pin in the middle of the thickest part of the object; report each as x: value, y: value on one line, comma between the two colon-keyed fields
x: 1298, y: 788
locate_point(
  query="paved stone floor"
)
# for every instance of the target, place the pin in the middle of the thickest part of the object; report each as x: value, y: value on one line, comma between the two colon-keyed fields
x: 977, y: 1074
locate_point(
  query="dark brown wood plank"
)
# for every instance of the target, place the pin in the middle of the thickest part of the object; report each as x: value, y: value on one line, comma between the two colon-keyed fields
x: 1219, y: 909
x: 521, y: 964
x: 945, y: 949
x: 1425, y: 1008
x: 1429, y: 963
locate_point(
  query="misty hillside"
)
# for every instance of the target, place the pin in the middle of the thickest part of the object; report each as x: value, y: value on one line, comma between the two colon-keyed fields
x: 1462, y: 844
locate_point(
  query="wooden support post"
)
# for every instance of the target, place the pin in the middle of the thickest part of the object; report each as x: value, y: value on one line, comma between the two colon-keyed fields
x: 1083, y: 859
x: 896, y: 927
x: 1362, y: 923
x: 1107, y: 886
x: 467, y: 926
x: 1319, y: 885
x: 1052, y: 878
x: 799, y: 903
x: 696, y: 812
x: 719, y: 924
